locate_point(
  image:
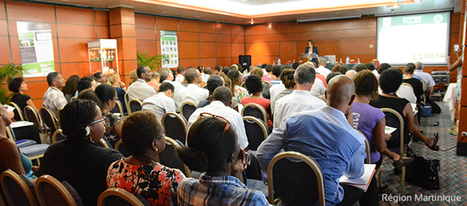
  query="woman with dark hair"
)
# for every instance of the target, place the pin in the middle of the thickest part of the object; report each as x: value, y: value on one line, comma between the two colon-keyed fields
x: 415, y: 83
x: 371, y: 121
x: 71, y: 86
x: 140, y: 173
x: 237, y: 91
x: 77, y: 159
x: 19, y: 86
x: 113, y: 124
x: 253, y: 84
x: 212, y: 148
x: 389, y: 82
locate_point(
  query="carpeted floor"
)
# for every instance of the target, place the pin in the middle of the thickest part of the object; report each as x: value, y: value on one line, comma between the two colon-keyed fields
x: 452, y: 174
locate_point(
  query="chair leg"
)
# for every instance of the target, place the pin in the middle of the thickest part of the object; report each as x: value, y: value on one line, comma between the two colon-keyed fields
x: 403, y: 180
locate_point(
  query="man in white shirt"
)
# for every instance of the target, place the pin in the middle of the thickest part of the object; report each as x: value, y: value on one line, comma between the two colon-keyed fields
x: 54, y: 99
x: 207, y: 73
x: 140, y: 89
x: 300, y: 99
x: 322, y: 69
x: 221, y: 100
x: 427, y: 78
x: 181, y: 75
x: 167, y: 76
x: 193, y: 92
x: 162, y: 102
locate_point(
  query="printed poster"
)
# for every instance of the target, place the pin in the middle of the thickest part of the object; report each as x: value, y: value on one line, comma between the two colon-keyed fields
x: 36, y: 48
x: 169, y: 49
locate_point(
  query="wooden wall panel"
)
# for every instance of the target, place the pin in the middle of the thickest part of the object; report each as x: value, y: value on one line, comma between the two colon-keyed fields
x: 207, y: 37
x: 145, y: 45
x: 188, y: 50
x: 76, y: 31
x: 72, y: 15
x: 287, y: 51
x: 223, y: 28
x: 211, y: 62
x: 102, y: 18
x: 327, y: 47
x: 188, y: 25
x: 22, y: 11
x: 189, y: 62
x: 145, y: 22
x: 224, y: 50
x: 188, y: 36
x: 2, y: 10
x: 165, y: 23
x: 207, y: 27
x: 207, y: 50
x: 225, y: 61
x: 145, y: 34
x: 4, y: 50
x: 3, y: 28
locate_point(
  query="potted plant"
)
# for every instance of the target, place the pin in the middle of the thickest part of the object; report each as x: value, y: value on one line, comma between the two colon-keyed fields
x: 7, y: 73
x: 153, y: 62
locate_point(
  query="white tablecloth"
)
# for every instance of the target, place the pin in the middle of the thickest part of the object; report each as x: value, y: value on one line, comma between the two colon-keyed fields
x: 450, y: 99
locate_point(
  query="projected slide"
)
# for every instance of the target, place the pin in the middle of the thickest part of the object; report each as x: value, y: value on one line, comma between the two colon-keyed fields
x: 412, y: 38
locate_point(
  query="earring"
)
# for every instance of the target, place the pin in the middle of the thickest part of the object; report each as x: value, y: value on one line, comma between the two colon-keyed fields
x: 88, y: 131
x: 157, y: 149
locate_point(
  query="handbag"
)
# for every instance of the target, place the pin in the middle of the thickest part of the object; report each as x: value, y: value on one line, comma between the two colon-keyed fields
x: 425, y: 110
x: 422, y: 172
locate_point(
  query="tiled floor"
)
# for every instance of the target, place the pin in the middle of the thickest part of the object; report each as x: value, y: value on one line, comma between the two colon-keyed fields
x: 453, y: 172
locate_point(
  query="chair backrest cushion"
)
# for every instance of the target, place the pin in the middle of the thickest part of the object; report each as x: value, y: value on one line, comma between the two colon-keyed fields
x: 254, y: 133
x: 254, y: 112
x: 169, y: 159
x: 187, y: 110
x: 174, y: 128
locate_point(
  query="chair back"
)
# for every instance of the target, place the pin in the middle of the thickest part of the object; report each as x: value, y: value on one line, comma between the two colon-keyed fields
x: 256, y: 131
x: 255, y: 110
x: 175, y: 126
x: 169, y: 159
x: 73, y: 98
x: 119, y: 146
x: 18, y: 189
x: 31, y: 115
x: 187, y: 108
x: 18, y: 112
x: 118, y: 109
x: 104, y: 143
x: 367, y: 149
x: 51, y: 192
x: 296, y: 179
x: 127, y: 101
x: 58, y: 136
x: 134, y: 105
x: 120, y: 197
x: 49, y: 120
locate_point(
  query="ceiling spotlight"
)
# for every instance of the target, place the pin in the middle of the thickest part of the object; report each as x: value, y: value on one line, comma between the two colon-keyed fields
x: 251, y: 21
x: 270, y: 25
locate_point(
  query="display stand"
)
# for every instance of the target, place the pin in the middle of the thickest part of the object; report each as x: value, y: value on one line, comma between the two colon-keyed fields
x: 104, y: 53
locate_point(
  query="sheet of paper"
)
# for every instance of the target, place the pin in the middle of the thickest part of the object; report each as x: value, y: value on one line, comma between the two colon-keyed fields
x: 362, y: 182
x: 389, y: 130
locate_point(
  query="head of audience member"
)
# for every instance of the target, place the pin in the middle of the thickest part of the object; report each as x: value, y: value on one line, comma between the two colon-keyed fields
x: 361, y: 67
x: 383, y: 67
x: 107, y: 96
x: 181, y: 70
x: 133, y: 76
x: 217, y: 70
x: 211, y: 147
x: 114, y: 80
x: 200, y: 69
x: 287, y: 78
x: 156, y: 76
x: 86, y: 83
x: 214, y: 81
x: 167, y: 88
x: 71, y: 85
x: 235, y: 77
x: 174, y: 73
x: 419, y: 65
x: 340, y: 68
x: 366, y: 84
x: 276, y: 71
x: 370, y: 66
x: 340, y: 93
x: 263, y: 66
x: 55, y: 79
x: 258, y: 71
x: 143, y: 136
x: 90, y: 95
x: 226, y: 70
x: 310, y: 43
x: 351, y: 74
x: 101, y: 78
x: 331, y: 75
x: 207, y: 70
x: 227, y: 81
x: 253, y: 84
x: 304, y: 76
x: 322, y: 63
x: 144, y: 73
x: 17, y: 85
x: 390, y: 81
x: 295, y: 65
x: 193, y: 76
x: 166, y: 74
x: 5, y: 119
x: 311, y: 64
x: 222, y: 94
x: 409, y: 68
x: 81, y: 120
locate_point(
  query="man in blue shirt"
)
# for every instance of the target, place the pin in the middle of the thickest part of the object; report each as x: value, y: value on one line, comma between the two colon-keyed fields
x: 327, y: 136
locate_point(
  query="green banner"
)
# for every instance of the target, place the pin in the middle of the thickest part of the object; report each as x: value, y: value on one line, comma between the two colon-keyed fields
x: 37, y: 69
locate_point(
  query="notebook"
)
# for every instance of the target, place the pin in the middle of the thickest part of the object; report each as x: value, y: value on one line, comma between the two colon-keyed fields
x: 362, y: 182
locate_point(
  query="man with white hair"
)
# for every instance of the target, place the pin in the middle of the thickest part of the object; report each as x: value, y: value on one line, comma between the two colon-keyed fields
x: 427, y: 78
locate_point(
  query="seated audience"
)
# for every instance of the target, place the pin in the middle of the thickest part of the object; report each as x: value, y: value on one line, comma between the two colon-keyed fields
x: 116, y: 82
x: 100, y: 78
x: 140, y: 89
x: 78, y: 159
x: 269, y: 76
x: 193, y: 91
x: 18, y: 86
x: 371, y: 121
x: 10, y: 156
x: 213, y: 82
x: 336, y: 147
x: 322, y: 69
x: 133, y: 77
x: 71, y: 86
x: 140, y: 173
x: 236, y: 79
x: 415, y: 83
x: 162, y: 102
x: 389, y: 82
x: 155, y: 81
x: 287, y: 78
x: 206, y: 73
x: 212, y: 148
x: 258, y: 71
x: 86, y: 83
x: 351, y: 73
x: 167, y: 76
x: 253, y: 84
x: 53, y: 98
x: 107, y: 100
x: 181, y: 75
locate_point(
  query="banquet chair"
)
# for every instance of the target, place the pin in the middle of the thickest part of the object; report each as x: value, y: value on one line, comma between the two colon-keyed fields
x: 187, y: 108
x: 295, y: 179
x: 127, y: 101
x: 168, y: 158
x: 120, y: 197
x: 18, y: 189
x: 175, y: 126
x: 134, y: 105
x: 57, y: 136
x: 394, y: 119
x: 256, y: 131
x: 33, y: 150
x: 51, y: 192
x: 49, y: 120
x: 119, y: 146
x: 32, y: 115
x: 118, y: 109
x: 18, y: 112
x: 255, y: 110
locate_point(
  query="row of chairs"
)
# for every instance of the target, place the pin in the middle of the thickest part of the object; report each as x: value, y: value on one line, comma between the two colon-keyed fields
x: 48, y: 191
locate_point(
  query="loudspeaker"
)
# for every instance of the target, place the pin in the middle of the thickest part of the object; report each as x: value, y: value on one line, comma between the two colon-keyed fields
x: 245, y: 61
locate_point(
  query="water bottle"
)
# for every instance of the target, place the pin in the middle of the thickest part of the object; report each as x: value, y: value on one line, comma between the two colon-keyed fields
x: 273, y: 62
x: 340, y: 60
x: 347, y: 60
x: 279, y: 61
x: 358, y: 60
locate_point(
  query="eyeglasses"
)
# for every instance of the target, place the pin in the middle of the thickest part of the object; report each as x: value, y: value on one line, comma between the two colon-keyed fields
x: 227, y: 124
x: 97, y: 121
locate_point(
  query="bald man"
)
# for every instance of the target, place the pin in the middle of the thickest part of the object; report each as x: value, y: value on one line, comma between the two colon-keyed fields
x: 326, y: 135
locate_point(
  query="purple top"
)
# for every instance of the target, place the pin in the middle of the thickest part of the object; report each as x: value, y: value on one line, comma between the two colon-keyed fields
x: 365, y: 118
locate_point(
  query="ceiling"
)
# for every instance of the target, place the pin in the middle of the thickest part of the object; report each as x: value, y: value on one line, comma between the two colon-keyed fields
x: 244, y: 12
